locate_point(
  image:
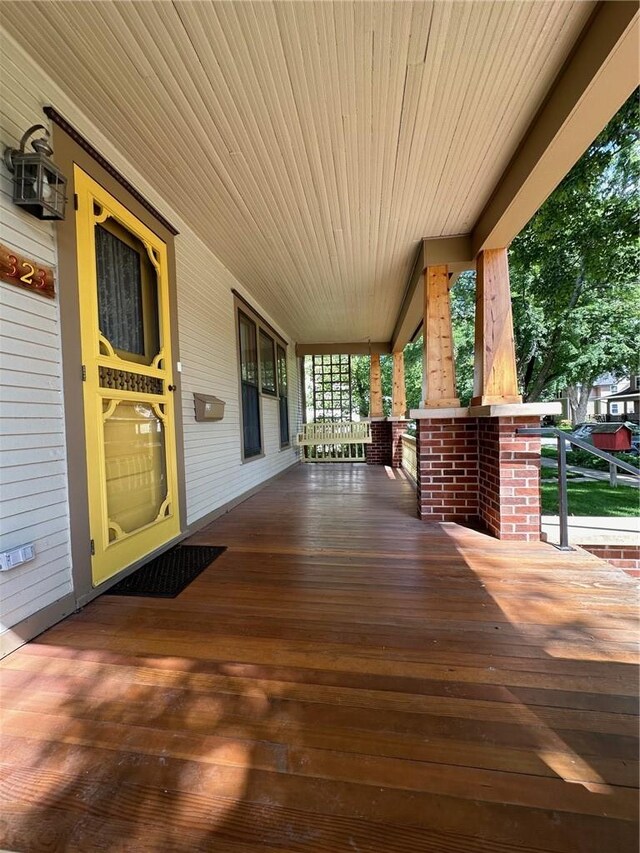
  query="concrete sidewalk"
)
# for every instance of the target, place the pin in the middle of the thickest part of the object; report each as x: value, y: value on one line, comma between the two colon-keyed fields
x: 594, y: 530
x: 591, y: 474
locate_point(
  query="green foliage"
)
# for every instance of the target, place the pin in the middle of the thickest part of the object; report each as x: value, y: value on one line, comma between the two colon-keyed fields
x: 584, y: 459
x: 592, y: 499
x: 463, y: 296
x: 576, y: 299
x: 412, y: 374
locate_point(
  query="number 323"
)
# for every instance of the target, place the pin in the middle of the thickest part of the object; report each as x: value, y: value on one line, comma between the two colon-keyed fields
x: 27, y: 278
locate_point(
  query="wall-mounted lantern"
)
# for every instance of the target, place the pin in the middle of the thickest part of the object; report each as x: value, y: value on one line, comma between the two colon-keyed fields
x: 38, y: 185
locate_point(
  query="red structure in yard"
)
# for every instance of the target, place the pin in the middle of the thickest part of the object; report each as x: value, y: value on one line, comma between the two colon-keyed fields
x: 612, y: 437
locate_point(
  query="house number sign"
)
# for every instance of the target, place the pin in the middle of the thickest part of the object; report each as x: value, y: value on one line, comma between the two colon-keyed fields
x: 18, y: 270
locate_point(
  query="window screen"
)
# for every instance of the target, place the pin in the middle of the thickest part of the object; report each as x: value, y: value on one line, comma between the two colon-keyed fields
x: 267, y: 364
x: 282, y: 396
x: 252, y: 439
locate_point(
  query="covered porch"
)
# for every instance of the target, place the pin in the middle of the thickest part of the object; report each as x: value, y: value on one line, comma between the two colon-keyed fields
x: 344, y: 677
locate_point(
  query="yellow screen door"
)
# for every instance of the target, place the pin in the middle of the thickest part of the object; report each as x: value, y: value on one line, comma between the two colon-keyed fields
x: 127, y: 365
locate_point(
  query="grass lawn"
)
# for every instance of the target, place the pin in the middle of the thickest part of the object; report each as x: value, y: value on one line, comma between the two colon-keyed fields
x: 592, y: 499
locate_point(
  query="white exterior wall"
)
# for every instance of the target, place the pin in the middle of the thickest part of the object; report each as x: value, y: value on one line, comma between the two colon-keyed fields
x: 33, y: 483
x: 214, y: 471
x: 33, y: 470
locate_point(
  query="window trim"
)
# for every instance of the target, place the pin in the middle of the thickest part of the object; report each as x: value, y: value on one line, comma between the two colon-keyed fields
x: 241, y: 306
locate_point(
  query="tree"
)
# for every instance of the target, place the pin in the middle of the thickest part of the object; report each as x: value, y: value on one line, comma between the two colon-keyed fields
x: 463, y: 312
x: 574, y: 272
x: 576, y: 299
x: 412, y: 374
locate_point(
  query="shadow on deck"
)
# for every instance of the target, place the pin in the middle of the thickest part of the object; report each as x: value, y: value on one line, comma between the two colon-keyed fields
x: 344, y: 678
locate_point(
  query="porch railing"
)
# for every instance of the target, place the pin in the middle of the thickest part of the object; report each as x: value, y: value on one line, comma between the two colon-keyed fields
x: 409, y: 456
x: 341, y: 441
x: 563, y: 439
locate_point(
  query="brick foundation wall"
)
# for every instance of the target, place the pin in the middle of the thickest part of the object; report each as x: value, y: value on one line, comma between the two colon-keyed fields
x: 379, y: 451
x: 398, y: 428
x: 447, y: 469
x: 509, y: 478
x: 625, y: 557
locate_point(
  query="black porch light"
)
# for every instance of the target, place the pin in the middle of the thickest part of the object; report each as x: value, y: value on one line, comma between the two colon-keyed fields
x: 38, y: 185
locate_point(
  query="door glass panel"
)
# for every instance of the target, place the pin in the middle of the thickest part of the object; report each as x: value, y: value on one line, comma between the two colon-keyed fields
x: 127, y: 293
x: 134, y: 448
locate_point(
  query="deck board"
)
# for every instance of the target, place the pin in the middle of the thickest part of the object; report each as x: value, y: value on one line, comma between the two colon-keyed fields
x: 345, y: 677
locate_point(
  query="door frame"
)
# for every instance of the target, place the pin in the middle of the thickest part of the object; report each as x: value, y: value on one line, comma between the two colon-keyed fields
x: 70, y: 150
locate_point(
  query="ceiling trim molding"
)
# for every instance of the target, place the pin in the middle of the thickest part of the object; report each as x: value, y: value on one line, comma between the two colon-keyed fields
x: 52, y: 114
x: 352, y: 348
x: 595, y: 81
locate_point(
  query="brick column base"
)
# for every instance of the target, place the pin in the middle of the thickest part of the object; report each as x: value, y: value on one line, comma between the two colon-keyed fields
x: 447, y: 469
x: 509, y: 478
x: 398, y: 428
x: 379, y: 451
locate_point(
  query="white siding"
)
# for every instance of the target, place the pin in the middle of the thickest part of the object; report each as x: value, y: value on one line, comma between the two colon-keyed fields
x: 33, y: 484
x: 32, y: 457
x: 214, y: 471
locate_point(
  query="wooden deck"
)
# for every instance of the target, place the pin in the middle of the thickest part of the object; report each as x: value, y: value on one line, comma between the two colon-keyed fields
x: 343, y: 678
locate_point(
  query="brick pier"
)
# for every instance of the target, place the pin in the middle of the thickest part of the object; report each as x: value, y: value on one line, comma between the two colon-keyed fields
x: 477, y: 468
x: 379, y: 451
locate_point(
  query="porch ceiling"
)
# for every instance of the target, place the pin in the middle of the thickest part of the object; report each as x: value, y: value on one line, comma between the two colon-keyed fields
x: 312, y: 145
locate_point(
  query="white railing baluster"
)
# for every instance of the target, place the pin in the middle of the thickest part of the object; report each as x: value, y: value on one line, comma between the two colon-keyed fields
x: 342, y: 441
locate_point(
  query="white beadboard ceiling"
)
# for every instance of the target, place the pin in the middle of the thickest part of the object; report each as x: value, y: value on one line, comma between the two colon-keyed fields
x: 311, y: 145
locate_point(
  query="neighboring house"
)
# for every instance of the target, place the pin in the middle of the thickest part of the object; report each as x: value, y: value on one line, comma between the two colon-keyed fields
x: 624, y: 403
x: 604, y: 386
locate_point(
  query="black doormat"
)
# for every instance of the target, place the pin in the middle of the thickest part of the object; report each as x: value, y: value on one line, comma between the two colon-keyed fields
x: 167, y: 575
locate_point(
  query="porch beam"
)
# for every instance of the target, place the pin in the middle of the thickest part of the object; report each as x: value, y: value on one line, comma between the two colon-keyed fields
x: 495, y: 378
x: 399, y: 395
x: 439, y: 375
x: 596, y: 80
x: 351, y: 348
x: 375, y: 387
x: 598, y: 77
x: 456, y: 253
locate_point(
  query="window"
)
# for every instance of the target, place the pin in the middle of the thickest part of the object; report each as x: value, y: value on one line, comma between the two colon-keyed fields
x: 614, y: 389
x: 267, y: 364
x: 263, y: 371
x: 251, y: 431
x: 613, y: 408
x: 283, y: 401
x: 637, y: 383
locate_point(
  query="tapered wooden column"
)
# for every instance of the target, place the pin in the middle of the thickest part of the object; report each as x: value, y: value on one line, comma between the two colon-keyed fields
x: 399, y: 394
x: 375, y: 387
x: 439, y: 374
x: 495, y: 378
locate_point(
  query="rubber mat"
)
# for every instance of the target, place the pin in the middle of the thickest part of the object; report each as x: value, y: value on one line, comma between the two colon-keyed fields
x: 167, y: 575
